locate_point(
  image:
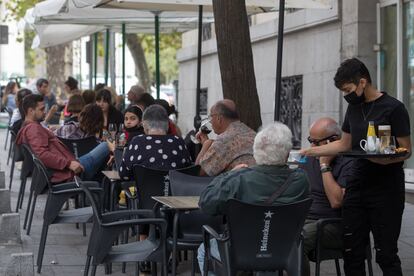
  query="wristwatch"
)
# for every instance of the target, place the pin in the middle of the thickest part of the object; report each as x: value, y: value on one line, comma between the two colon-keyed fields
x: 325, y: 168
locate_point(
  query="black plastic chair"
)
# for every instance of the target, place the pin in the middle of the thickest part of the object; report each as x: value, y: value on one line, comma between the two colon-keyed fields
x: 80, y: 147
x: 259, y: 238
x: 16, y: 155
x: 322, y: 254
x: 187, y: 227
x: 58, y: 194
x: 10, y: 112
x: 26, y: 171
x: 37, y: 187
x: 108, y: 226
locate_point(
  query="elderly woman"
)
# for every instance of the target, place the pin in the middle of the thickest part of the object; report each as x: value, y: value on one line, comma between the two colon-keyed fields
x: 271, y: 181
x: 90, y: 124
x: 155, y: 149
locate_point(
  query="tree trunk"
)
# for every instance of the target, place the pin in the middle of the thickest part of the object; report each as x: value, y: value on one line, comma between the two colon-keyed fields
x: 141, y: 67
x: 236, y: 59
x: 59, y: 67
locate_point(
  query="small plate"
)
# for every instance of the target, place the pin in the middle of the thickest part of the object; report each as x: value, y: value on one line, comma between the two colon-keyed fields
x: 363, y: 154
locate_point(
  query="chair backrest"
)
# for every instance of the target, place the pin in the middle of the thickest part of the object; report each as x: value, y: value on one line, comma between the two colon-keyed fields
x: 43, y: 173
x: 191, y: 223
x: 263, y: 236
x: 80, y: 147
x: 95, y: 202
x: 118, y: 153
x: 187, y: 185
x: 27, y: 157
x: 150, y: 182
x: 190, y: 170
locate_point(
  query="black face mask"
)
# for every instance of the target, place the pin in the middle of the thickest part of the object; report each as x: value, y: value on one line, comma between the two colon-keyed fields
x: 353, y: 99
x: 132, y: 129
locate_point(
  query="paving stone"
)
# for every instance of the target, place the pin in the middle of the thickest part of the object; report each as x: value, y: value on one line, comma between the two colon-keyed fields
x: 21, y: 264
x: 5, y: 206
x: 10, y: 228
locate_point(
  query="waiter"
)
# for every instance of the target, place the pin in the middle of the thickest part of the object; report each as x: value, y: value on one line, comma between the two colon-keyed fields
x: 374, y: 197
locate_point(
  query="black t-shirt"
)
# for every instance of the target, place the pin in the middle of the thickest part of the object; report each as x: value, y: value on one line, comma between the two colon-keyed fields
x: 321, y: 208
x: 385, y: 110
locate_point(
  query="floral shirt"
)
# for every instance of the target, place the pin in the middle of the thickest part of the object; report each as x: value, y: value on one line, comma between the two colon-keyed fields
x: 70, y: 130
x: 232, y: 147
x: 161, y: 152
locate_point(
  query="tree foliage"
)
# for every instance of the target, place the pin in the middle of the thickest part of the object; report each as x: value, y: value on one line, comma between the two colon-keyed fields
x: 169, y: 45
x: 17, y: 8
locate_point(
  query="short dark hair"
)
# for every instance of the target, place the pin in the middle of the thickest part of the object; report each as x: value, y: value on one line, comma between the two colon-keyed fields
x: 146, y: 100
x: 19, y: 99
x: 30, y: 101
x: 91, y: 119
x: 72, y: 83
x: 351, y: 71
x: 75, y: 103
x: 105, y: 95
x: 225, y: 111
x: 164, y: 104
x: 89, y: 96
x: 136, y: 110
x: 41, y: 81
x: 99, y: 86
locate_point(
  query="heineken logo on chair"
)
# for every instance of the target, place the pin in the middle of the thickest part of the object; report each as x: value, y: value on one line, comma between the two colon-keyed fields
x: 263, y: 252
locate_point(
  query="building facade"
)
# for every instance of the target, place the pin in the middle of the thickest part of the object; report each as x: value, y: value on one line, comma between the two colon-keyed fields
x: 379, y: 32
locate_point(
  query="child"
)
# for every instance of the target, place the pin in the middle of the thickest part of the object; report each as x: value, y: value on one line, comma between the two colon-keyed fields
x: 132, y: 123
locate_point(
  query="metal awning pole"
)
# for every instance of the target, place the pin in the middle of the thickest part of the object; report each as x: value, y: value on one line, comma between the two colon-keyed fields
x: 123, y: 59
x: 95, y: 57
x: 197, y: 118
x: 157, y: 54
x: 106, y: 56
x: 278, y: 91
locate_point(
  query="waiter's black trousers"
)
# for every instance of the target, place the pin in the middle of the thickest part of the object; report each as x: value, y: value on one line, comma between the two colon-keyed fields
x: 374, y: 202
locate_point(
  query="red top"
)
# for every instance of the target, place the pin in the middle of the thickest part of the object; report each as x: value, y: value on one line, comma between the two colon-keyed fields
x: 48, y: 148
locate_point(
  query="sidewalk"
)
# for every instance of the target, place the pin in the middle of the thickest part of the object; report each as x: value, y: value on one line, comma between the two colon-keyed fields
x: 65, y: 252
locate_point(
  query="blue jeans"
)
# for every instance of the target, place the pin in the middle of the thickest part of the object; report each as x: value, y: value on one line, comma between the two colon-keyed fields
x: 214, y: 252
x: 93, y: 160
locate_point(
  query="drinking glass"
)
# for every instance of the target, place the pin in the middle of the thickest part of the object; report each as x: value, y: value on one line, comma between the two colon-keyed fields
x: 390, y: 149
x: 205, y: 128
x: 112, y: 131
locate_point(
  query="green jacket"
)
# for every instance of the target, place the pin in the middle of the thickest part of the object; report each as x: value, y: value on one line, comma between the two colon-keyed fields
x: 253, y: 185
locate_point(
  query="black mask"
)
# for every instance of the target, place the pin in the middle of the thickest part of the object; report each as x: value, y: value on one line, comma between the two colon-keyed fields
x: 353, y: 99
x: 134, y: 129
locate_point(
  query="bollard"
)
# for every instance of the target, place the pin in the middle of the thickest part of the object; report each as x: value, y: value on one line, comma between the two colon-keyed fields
x: 21, y: 264
x: 5, y: 206
x: 2, y: 180
x: 10, y: 228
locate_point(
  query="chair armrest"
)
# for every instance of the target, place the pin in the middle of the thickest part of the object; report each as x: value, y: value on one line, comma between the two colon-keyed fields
x: 208, y: 231
x: 72, y: 185
x: 126, y: 214
x: 133, y: 222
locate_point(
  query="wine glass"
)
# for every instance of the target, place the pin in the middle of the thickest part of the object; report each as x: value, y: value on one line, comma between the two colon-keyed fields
x: 205, y: 128
x: 390, y: 149
x: 112, y: 131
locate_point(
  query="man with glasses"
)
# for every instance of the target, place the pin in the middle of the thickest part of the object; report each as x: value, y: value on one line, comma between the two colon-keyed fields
x: 233, y: 145
x: 327, y: 177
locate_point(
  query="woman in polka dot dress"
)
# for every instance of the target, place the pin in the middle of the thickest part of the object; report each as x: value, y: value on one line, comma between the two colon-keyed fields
x: 155, y: 149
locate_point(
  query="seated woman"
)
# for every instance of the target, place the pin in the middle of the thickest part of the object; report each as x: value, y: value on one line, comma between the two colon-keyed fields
x: 74, y: 107
x: 110, y: 113
x: 18, y: 114
x: 132, y: 123
x: 90, y: 124
x: 156, y: 149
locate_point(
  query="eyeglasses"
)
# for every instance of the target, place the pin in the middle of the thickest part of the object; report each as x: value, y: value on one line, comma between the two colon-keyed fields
x: 317, y: 141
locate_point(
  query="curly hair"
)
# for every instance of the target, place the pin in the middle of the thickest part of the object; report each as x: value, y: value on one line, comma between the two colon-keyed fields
x: 91, y: 120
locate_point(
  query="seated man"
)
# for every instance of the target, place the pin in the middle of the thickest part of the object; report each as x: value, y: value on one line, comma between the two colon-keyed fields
x: 327, y: 177
x: 233, y: 145
x: 51, y: 151
x: 257, y: 183
x: 156, y: 149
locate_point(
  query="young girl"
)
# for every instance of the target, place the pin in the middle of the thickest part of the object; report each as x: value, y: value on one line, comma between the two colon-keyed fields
x: 132, y: 123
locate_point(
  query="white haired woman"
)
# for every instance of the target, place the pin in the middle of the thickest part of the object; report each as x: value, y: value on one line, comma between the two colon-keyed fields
x: 258, y: 183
